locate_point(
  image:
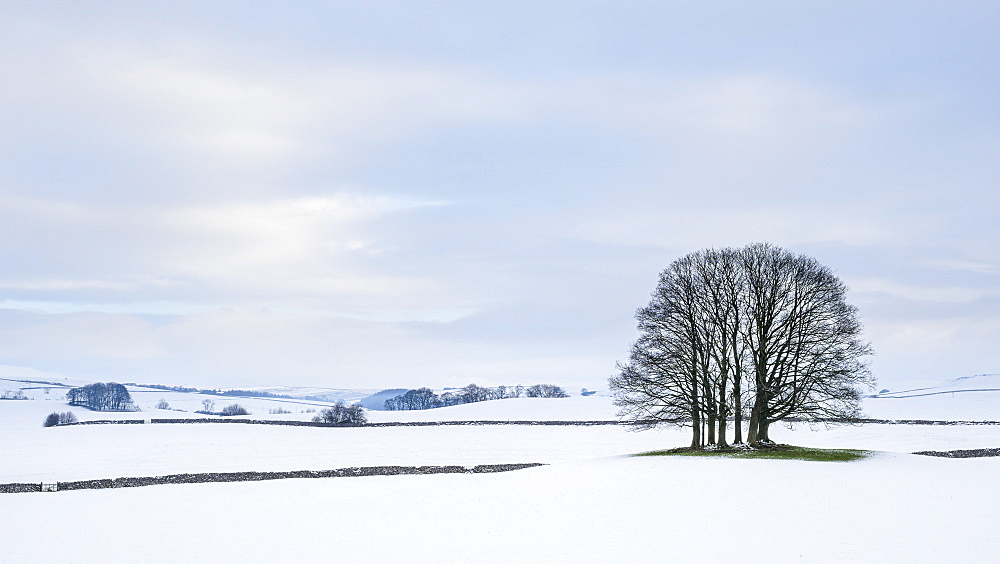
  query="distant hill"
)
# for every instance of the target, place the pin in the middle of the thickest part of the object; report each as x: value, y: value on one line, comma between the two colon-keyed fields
x: 973, y: 398
x: 976, y: 383
x: 376, y: 401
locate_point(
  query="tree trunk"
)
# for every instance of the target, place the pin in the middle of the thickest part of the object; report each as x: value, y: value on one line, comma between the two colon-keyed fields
x: 695, y: 411
x: 755, y: 419
x: 763, y: 427
x: 722, y: 432
x: 758, y: 414
x: 711, y: 428
x: 737, y: 411
x: 695, y: 429
x: 723, y: 415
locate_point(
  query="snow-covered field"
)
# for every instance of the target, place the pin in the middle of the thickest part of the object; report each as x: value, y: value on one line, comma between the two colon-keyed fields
x: 592, y: 503
x: 972, y: 398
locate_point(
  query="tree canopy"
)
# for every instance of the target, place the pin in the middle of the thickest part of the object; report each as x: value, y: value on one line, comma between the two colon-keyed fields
x: 756, y: 332
x: 102, y: 396
x: 340, y: 414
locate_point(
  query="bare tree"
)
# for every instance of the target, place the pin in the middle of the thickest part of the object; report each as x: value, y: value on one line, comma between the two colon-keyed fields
x: 234, y: 409
x: 716, y: 314
x: 665, y: 379
x: 803, y: 339
x: 51, y: 420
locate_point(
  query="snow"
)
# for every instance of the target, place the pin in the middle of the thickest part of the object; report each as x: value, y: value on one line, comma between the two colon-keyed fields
x: 111, y: 451
x: 971, y: 398
x: 592, y: 503
x: 892, y: 508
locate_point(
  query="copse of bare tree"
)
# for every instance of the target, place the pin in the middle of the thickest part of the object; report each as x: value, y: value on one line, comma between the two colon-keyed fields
x: 14, y: 395
x: 234, y: 409
x: 421, y: 398
x: 341, y: 414
x: 545, y: 391
x: 102, y: 396
x: 758, y: 329
x: 56, y: 418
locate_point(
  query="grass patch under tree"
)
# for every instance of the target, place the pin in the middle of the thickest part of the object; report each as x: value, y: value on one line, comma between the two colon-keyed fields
x: 780, y: 452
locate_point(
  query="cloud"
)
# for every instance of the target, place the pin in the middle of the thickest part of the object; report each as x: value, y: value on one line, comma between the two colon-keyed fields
x: 132, y: 308
x: 757, y: 107
x: 735, y: 115
x: 57, y: 284
x: 85, y: 338
x: 965, y: 265
x: 26, y: 373
x: 261, y: 195
x: 238, y: 239
x: 934, y: 350
x: 880, y: 288
x: 685, y: 227
x: 216, y: 113
x: 308, y: 253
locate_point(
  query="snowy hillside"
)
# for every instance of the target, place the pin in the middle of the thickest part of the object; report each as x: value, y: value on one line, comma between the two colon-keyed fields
x: 117, y: 450
x: 346, y: 395
x: 581, y: 507
x: 970, y: 398
x: 576, y: 408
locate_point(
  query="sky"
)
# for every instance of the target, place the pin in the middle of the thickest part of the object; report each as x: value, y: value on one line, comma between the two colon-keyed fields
x: 401, y: 194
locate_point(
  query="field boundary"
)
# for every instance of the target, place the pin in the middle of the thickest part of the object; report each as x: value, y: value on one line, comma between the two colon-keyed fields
x: 206, y: 477
x: 235, y: 420
x: 964, y: 453
x: 318, y: 424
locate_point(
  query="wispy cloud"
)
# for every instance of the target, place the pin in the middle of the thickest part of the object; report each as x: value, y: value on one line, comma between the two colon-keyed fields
x: 966, y: 265
x: 926, y: 293
x: 135, y: 308
x: 479, y: 190
x: 691, y: 227
x: 235, y: 239
x: 56, y: 284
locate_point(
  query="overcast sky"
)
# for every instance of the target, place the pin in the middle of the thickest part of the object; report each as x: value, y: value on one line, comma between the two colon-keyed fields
x: 379, y: 194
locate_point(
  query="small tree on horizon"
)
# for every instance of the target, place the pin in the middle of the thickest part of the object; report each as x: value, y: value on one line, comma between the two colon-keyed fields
x: 234, y: 409
x: 546, y: 391
x: 56, y: 418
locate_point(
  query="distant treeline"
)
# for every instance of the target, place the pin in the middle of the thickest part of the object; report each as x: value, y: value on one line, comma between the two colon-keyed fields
x: 425, y: 398
x: 215, y: 392
x: 38, y: 382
